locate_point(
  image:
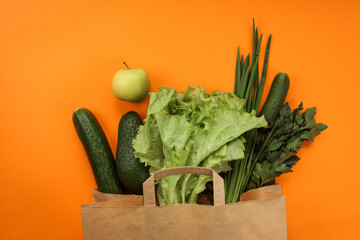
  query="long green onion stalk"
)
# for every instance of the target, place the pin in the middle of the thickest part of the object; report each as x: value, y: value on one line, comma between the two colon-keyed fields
x: 247, y: 86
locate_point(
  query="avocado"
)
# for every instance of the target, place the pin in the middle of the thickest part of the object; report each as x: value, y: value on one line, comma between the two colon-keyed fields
x: 132, y: 173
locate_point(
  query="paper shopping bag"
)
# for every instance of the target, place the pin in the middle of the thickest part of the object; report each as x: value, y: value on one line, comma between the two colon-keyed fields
x: 260, y: 215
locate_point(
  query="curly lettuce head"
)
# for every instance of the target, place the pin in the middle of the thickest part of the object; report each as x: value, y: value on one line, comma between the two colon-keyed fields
x: 192, y: 128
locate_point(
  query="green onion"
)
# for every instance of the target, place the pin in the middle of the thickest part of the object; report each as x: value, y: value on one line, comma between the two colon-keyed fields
x: 263, y: 75
x: 236, y: 75
x: 244, y: 78
x: 248, y: 87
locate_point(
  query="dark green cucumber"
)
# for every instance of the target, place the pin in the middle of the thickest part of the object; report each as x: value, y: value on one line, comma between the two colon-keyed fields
x: 132, y: 173
x: 98, y: 151
x: 276, y: 98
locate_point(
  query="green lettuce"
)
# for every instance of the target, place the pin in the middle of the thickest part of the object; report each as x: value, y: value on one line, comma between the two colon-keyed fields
x: 192, y: 128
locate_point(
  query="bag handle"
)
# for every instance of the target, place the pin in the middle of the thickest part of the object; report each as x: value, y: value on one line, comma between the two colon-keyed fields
x: 149, y: 186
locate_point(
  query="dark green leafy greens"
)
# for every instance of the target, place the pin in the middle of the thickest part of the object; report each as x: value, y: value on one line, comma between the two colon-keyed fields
x: 291, y: 129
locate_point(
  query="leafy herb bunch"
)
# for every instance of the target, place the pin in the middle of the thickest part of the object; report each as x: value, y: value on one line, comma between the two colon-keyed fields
x: 291, y: 129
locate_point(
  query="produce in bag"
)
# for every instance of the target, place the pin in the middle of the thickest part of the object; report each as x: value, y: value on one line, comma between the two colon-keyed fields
x: 192, y: 128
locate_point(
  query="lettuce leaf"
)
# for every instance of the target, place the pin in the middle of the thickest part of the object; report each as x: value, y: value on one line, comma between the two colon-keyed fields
x: 192, y: 128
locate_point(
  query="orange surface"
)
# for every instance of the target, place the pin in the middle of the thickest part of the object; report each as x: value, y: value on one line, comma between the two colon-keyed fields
x: 56, y: 56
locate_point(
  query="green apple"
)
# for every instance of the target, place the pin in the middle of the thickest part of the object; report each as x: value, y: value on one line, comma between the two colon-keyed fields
x: 132, y: 85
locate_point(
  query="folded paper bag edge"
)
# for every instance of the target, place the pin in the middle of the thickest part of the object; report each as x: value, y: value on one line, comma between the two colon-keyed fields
x: 119, y: 200
x: 266, y: 192
x: 98, y: 196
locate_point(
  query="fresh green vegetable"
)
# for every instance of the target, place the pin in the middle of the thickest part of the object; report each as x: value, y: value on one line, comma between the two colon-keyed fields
x: 98, y: 151
x: 192, y: 128
x: 131, y: 172
x: 279, y: 155
x: 276, y: 98
x: 272, y: 151
x: 248, y: 87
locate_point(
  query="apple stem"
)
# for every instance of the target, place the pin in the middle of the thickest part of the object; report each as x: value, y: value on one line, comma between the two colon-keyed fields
x: 126, y: 65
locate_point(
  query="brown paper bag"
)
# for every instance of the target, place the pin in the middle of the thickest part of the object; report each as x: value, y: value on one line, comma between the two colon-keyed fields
x: 105, y: 197
x: 260, y: 214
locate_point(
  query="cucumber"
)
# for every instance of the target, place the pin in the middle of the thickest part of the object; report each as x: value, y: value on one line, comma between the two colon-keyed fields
x: 276, y: 98
x: 132, y: 173
x: 98, y: 151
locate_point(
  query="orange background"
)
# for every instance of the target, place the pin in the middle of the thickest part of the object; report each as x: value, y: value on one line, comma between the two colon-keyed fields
x: 56, y: 56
